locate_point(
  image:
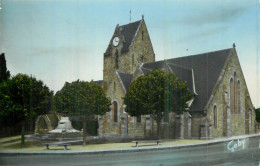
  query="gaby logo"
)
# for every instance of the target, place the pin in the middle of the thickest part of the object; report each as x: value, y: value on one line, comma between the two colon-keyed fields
x: 236, y: 145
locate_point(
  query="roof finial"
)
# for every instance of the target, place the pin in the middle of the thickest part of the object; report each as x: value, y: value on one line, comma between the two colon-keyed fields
x: 142, y: 16
x: 234, y: 45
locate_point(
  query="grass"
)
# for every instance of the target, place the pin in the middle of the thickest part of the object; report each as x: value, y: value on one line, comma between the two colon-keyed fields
x: 3, y: 140
x: 14, y: 143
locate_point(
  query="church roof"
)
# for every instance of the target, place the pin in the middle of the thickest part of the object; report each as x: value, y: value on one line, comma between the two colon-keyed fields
x: 184, y: 74
x: 99, y: 82
x: 126, y: 79
x: 128, y: 32
x: 206, y: 70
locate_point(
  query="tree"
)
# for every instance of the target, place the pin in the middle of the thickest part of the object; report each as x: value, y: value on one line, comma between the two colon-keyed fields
x: 81, y: 99
x: 4, y: 73
x: 22, y: 99
x: 157, y: 94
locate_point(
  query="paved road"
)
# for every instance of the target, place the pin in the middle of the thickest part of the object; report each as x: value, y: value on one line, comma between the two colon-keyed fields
x: 214, y: 154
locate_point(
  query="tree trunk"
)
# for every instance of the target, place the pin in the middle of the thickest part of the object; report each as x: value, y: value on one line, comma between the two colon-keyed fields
x: 158, y: 128
x: 22, y: 135
x: 84, y: 131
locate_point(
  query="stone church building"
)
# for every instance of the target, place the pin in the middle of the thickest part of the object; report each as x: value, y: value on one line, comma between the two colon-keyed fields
x: 221, y: 107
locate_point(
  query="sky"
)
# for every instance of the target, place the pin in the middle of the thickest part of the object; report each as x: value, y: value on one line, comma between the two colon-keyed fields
x: 60, y: 41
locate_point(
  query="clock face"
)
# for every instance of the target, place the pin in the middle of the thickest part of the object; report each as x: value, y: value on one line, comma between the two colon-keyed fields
x: 115, y: 41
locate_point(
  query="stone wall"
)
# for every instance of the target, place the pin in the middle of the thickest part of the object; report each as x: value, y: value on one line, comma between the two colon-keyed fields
x: 195, y: 124
x: 141, y: 47
x: 115, y: 93
x: 235, y: 123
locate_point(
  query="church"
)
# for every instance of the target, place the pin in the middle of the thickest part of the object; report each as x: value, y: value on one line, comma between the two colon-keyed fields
x: 221, y: 106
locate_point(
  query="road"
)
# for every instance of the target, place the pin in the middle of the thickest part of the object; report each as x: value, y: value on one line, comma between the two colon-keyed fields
x: 245, y: 153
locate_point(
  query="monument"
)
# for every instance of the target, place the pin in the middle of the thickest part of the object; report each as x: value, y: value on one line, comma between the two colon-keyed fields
x: 64, y: 126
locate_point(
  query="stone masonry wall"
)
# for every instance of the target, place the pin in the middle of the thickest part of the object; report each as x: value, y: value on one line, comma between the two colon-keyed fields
x: 195, y: 124
x: 235, y: 122
x: 141, y: 47
x: 115, y: 93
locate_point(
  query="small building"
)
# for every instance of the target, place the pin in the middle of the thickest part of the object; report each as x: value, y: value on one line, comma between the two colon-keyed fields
x: 222, y: 106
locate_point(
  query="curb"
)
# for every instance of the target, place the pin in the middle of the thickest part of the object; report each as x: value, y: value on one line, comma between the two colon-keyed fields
x: 125, y: 150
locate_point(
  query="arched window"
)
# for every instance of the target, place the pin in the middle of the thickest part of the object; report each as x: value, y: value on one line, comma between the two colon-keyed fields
x: 115, y: 111
x: 215, y: 117
x: 114, y: 87
x: 142, y: 35
x: 232, y: 96
x: 238, y: 97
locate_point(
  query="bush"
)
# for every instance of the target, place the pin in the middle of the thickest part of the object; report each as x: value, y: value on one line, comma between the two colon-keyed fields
x: 76, y: 124
x: 91, y: 125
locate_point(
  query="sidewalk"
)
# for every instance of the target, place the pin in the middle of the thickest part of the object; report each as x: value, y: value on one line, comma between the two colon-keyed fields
x: 117, y: 147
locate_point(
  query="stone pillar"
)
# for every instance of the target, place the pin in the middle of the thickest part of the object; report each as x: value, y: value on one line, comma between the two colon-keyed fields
x: 100, y: 126
x: 148, y: 126
x: 228, y: 122
x: 124, y: 106
x: 123, y: 124
x: 210, y: 131
x: 182, y: 126
x: 227, y: 103
x: 189, y: 127
x: 204, y: 128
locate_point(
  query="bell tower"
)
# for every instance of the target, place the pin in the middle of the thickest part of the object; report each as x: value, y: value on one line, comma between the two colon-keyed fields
x: 129, y: 46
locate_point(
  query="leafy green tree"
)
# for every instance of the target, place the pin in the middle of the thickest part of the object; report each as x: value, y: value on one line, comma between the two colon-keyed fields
x: 22, y: 98
x: 157, y: 94
x: 4, y: 73
x: 81, y: 99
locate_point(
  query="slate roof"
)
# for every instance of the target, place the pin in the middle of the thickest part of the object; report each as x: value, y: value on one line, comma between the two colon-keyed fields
x: 126, y: 79
x: 183, y: 74
x: 206, y: 68
x: 145, y: 71
x: 153, y: 65
x: 99, y: 82
x: 128, y: 32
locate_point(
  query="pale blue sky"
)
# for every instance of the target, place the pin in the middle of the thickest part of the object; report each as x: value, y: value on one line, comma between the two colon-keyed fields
x: 64, y: 40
